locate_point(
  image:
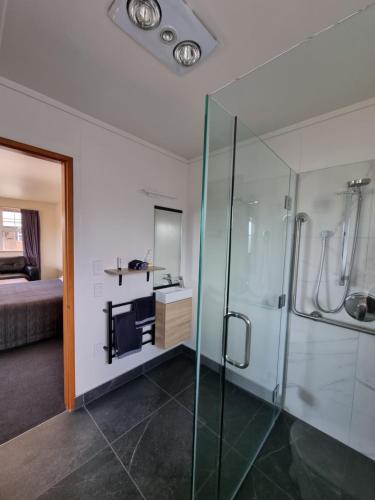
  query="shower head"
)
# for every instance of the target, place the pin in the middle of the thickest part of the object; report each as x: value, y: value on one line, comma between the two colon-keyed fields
x: 357, y: 183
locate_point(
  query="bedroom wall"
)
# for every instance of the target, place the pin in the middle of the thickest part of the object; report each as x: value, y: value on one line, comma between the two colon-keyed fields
x: 112, y: 217
x: 50, y: 234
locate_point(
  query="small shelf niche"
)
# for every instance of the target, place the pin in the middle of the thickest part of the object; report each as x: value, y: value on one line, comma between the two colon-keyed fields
x: 125, y: 271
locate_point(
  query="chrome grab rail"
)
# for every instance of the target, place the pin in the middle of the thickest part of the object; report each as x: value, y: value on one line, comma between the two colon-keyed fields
x: 246, y: 362
x: 300, y: 219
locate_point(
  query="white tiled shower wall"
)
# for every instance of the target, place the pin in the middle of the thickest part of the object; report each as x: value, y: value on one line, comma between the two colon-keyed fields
x: 331, y: 370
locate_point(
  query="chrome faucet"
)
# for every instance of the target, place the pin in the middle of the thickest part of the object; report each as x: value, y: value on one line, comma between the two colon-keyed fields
x: 171, y: 281
x: 168, y: 277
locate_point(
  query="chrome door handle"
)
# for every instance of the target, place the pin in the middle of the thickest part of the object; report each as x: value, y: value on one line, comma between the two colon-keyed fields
x: 246, y: 362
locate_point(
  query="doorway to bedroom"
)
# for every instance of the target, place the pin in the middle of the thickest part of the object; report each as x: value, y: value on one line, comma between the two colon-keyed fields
x: 36, y: 287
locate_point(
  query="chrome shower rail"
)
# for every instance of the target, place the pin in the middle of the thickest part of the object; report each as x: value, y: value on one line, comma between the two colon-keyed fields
x: 300, y: 219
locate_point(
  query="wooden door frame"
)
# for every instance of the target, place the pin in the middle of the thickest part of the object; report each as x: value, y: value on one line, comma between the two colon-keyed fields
x: 68, y: 258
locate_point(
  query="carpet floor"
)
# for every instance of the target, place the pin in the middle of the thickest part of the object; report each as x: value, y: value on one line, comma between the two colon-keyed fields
x: 31, y: 386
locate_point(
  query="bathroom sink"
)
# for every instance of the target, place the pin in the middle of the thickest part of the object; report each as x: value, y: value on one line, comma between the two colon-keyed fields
x: 173, y: 294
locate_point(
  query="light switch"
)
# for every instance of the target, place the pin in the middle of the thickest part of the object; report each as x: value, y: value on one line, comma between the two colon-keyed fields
x: 98, y: 289
x: 97, y: 267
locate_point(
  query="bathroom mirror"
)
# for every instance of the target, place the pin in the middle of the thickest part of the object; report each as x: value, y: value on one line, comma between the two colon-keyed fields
x: 167, y: 245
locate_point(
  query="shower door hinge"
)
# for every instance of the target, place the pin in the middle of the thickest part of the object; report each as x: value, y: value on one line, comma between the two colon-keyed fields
x: 282, y: 301
x: 288, y: 202
x: 275, y: 394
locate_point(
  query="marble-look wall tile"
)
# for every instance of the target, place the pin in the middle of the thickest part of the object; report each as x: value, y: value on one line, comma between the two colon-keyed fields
x: 366, y: 361
x: 321, y: 375
x: 331, y: 370
x: 362, y: 429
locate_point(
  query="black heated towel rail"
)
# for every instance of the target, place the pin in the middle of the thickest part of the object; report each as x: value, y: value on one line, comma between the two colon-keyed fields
x: 110, y: 330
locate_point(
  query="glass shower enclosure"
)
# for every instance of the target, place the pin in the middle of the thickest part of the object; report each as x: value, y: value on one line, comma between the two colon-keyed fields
x: 246, y: 226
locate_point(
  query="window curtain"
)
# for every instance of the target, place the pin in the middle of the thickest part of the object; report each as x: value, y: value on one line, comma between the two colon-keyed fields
x: 31, y: 237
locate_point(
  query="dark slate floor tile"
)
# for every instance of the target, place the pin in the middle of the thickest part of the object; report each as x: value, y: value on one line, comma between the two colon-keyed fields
x: 175, y: 375
x: 207, y: 454
x: 158, y: 453
x: 233, y: 469
x: 103, y: 477
x: 300, y: 461
x: 254, y: 433
x: 257, y: 486
x: 209, y: 393
x: 342, y: 467
x: 112, y: 385
x: 240, y: 408
x: 36, y: 460
x: 321, y: 454
x: 162, y: 358
x: 239, y: 405
x: 118, y: 411
x: 359, y: 480
x: 186, y: 397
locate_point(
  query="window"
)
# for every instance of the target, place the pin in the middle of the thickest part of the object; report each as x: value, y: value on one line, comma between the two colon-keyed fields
x: 10, y: 230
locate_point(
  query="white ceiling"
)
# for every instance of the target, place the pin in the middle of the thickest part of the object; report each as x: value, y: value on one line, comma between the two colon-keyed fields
x: 331, y: 71
x: 24, y: 177
x: 71, y: 51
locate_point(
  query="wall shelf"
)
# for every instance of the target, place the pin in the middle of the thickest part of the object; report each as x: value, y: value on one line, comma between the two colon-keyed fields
x: 125, y: 271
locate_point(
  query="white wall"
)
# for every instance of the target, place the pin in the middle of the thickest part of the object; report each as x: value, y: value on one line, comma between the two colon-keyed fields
x: 50, y: 234
x: 111, y: 216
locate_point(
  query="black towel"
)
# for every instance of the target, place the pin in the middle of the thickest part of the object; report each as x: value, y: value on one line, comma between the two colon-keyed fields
x: 144, y: 311
x: 127, y: 338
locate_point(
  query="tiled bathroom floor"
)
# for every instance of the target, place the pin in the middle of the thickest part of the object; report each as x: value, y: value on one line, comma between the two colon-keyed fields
x: 136, y: 441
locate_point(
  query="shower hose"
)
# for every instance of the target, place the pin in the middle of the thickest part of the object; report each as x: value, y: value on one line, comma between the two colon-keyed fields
x: 325, y: 235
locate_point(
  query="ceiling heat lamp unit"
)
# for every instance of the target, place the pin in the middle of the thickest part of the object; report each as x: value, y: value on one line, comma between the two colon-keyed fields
x: 168, y: 29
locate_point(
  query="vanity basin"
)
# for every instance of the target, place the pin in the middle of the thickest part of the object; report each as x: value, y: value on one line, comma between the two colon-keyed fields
x: 173, y: 294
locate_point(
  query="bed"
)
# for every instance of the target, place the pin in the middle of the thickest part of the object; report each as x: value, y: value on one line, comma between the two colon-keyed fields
x: 30, y: 312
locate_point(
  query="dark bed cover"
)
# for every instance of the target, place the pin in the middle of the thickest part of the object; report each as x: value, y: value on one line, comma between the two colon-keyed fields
x: 30, y: 312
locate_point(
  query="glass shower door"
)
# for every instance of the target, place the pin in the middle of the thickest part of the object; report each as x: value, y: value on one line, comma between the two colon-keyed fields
x: 242, y: 318
x: 254, y: 324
